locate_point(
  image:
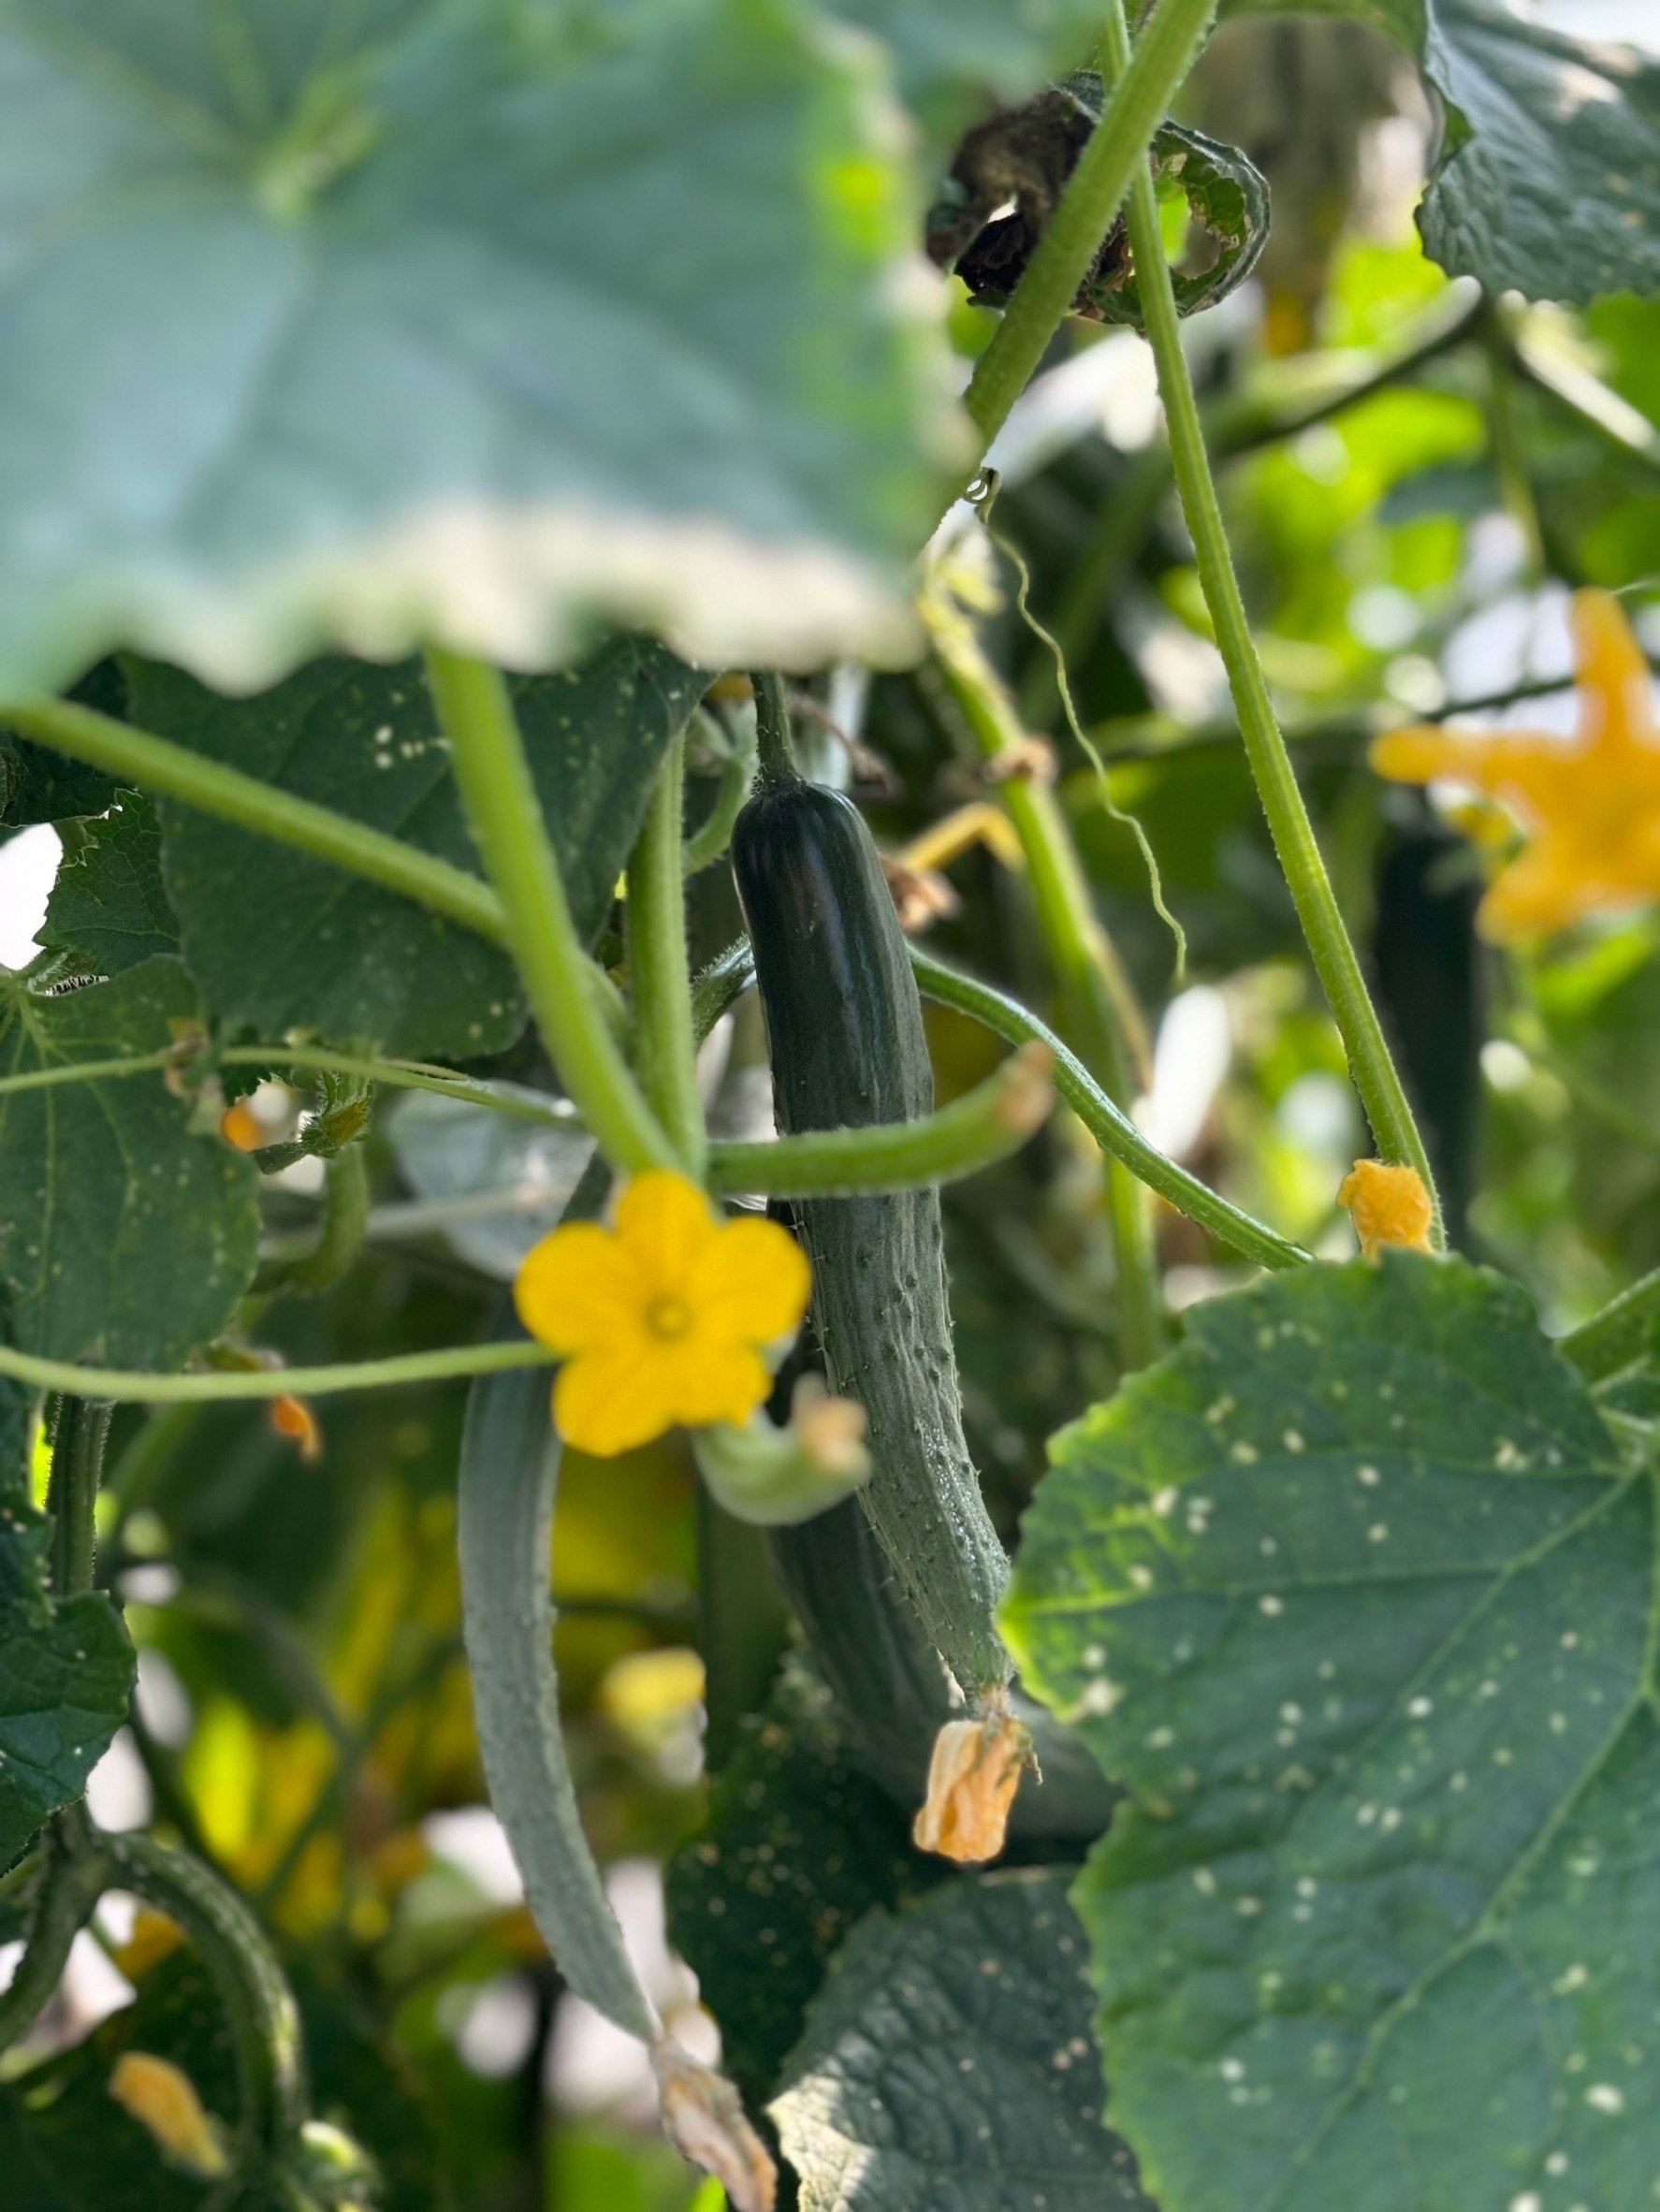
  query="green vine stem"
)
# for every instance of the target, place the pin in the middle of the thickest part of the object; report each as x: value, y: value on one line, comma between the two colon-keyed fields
x: 1099, y: 1007
x: 69, y: 1885
x: 659, y: 981
x: 125, y: 1386
x: 258, y: 2004
x: 1374, y: 1070
x: 987, y: 1124
x: 773, y: 751
x: 1605, y: 1342
x: 78, y: 1434
x: 156, y: 764
x: 345, y: 1216
x: 713, y: 834
x: 719, y: 987
x: 505, y: 815
x: 1107, y: 1122
x: 1116, y: 151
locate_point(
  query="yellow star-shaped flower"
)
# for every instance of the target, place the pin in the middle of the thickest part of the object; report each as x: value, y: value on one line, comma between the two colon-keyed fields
x: 662, y: 1317
x: 1590, y: 805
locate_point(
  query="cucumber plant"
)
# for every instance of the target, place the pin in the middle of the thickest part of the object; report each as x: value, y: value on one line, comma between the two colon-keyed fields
x: 598, y: 1130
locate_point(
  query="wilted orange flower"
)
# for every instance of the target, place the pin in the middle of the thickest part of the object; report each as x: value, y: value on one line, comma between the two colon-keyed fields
x: 1388, y: 1206
x: 972, y: 1778
x: 291, y: 1416
x: 1590, y: 806
x: 663, y: 1317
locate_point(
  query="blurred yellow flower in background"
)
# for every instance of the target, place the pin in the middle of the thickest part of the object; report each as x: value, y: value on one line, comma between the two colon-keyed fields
x: 163, y: 2099
x: 1589, y: 807
x: 662, y: 1317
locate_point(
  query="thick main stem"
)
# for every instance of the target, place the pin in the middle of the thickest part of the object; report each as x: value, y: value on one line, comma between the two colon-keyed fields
x: 505, y: 815
x: 1370, y: 1066
x: 80, y: 1434
x: 1117, y: 148
x: 659, y: 974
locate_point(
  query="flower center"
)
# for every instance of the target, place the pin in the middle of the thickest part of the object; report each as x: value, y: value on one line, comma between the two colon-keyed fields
x: 669, y: 1318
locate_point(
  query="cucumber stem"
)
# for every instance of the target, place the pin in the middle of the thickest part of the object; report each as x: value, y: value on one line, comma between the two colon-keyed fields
x: 79, y: 1436
x: 775, y: 754
x: 1370, y: 1066
x: 505, y: 816
x: 987, y: 1124
x: 660, y: 977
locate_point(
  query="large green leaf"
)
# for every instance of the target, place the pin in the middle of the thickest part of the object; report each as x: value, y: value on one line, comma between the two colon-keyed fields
x: 1549, y: 176
x: 949, y: 2067
x: 108, y: 907
x: 124, y: 1237
x: 1356, y: 1596
x: 278, y: 941
x: 798, y: 1845
x: 324, y: 326
x: 66, y: 1669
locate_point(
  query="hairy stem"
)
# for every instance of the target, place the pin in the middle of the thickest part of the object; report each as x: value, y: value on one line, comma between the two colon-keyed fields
x: 507, y: 826
x: 136, y: 1387
x: 1116, y: 151
x: 69, y: 1885
x: 1374, y: 1070
x: 80, y: 1433
x: 1106, y: 1121
x: 660, y: 979
x: 987, y: 1124
x: 774, y: 750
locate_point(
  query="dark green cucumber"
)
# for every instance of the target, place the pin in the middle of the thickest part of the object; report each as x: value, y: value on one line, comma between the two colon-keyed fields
x: 892, y: 1692
x: 845, y: 1031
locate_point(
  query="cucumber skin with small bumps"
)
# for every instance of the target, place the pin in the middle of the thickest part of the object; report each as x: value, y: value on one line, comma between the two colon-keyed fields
x: 845, y: 1029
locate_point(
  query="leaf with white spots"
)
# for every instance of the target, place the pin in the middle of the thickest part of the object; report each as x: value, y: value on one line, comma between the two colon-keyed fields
x: 66, y: 1669
x: 126, y: 1237
x: 279, y: 941
x: 947, y: 2063
x: 1355, y: 1595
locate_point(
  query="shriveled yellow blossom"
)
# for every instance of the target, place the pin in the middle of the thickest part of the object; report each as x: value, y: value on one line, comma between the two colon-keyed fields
x: 972, y: 1778
x: 1590, y: 805
x: 292, y: 1418
x: 661, y: 1317
x: 162, y: 2098
x: 1388, y: 1206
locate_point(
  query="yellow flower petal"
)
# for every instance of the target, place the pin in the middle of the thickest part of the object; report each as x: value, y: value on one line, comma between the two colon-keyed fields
x: 1589, y: 807
x: 1389, y: 1205
x: 666, y: 1225
x: 608, y: 1401
x: 708, y: 1381
x: 751, y: 1283
x: 578, y: 1286
x: 1611, y: 672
